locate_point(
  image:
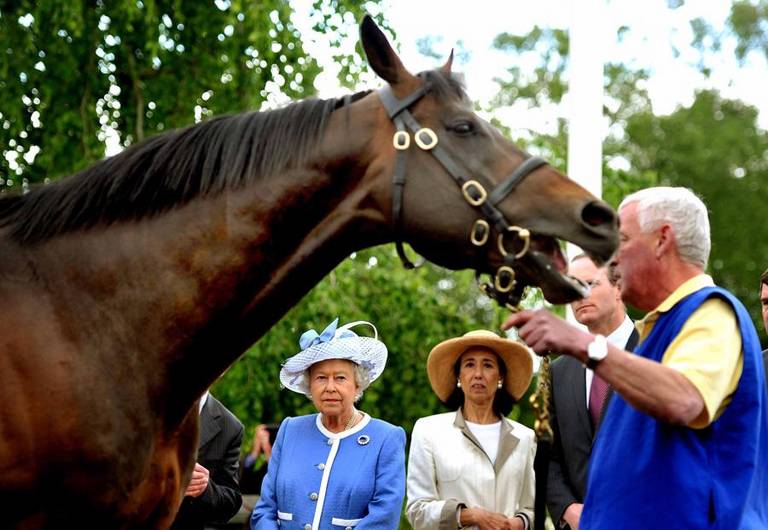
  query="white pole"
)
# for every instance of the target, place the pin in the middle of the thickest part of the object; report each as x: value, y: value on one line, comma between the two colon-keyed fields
x: 586, y: 126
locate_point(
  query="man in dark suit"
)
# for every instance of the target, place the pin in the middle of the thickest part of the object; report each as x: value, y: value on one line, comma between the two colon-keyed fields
x: 213, y: 494
x: 764, y: 310
x: 578, y: 396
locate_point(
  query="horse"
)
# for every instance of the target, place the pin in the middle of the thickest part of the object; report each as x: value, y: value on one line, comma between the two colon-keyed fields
x: 131, y: 286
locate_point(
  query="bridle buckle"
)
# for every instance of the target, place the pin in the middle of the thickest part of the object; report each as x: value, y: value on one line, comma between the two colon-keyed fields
x: 431, y: 138
x: 480, y: 232
x: 473, y: 185
x: 504, y: 281
x: 401, y: 140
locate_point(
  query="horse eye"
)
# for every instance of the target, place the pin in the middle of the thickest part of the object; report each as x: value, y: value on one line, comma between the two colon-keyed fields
x: 463, y: 127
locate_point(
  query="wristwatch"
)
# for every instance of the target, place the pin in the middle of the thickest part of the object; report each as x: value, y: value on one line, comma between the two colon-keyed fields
x: 596, y: 351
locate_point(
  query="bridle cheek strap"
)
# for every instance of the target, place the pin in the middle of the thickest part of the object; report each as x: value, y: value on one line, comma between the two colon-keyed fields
x: 473, y: 191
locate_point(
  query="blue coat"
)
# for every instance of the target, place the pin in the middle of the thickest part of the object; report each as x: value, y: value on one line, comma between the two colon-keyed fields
x: 321, y: 480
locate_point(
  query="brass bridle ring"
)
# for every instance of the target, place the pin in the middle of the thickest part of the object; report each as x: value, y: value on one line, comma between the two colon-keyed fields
x: 475, y: 186
x: 431, y: 138
x: 504, y: 286
x: 480, y: 240
x: 401, y: 140
x: 523, y: 233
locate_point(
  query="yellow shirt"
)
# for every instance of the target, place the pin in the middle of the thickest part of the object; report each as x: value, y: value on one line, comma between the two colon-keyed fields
x: 707, y: 351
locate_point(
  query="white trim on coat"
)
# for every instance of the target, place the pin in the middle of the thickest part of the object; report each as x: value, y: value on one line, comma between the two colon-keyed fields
x: 335, y: 438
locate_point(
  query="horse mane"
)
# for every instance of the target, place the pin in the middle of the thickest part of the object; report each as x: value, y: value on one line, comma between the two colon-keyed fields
x: 170, y: 169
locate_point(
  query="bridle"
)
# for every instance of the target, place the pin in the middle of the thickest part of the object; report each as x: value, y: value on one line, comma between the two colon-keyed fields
x: 502, y: 289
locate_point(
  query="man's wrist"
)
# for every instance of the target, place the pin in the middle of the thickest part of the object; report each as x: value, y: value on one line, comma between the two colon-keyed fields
x: 526, y: 523
x: 597, y: 350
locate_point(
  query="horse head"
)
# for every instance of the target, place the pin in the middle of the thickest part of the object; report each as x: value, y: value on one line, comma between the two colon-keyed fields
x: 464, y: 196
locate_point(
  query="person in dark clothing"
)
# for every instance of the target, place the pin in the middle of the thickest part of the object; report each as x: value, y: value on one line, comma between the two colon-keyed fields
x: 764, y: 311
x: 213, y: 494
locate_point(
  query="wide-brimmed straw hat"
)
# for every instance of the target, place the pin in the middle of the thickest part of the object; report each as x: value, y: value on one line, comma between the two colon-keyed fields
x: 333, y: 343
x: 517, y: 359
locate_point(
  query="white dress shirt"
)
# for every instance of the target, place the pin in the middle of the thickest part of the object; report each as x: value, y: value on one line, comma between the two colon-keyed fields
x: 618, y: 338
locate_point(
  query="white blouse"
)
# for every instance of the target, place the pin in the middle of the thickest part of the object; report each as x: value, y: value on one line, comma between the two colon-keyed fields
x: 488, y: 436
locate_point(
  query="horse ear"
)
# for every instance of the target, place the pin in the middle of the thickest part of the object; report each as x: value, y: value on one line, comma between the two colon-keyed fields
x: 446, y: 68
x: 382, y: 58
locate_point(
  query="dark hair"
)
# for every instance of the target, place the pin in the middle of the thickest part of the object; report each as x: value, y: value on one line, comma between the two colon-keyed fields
x: 502, y: 401
x: 764, y: 277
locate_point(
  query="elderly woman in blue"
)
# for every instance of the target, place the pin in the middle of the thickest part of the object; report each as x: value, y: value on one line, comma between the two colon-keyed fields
x: 339, y: 468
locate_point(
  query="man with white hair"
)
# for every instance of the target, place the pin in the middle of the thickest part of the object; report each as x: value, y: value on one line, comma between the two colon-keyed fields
x: 683, y: 443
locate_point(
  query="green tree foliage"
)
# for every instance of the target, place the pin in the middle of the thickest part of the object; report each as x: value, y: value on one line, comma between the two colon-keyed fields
x: 745, y: 34
x: 74, y: 70
x: 715, y: 148
x: 546, y: 84
x: 749, y: 22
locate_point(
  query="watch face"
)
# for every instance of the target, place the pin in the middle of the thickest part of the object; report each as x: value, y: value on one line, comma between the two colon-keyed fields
x: 598, y: 348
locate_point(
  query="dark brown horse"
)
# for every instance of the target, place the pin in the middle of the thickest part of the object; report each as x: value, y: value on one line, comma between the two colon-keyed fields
x: 127, y: 289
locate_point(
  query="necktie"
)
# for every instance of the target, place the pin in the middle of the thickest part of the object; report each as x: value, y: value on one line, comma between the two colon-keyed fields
x: 597, y: 394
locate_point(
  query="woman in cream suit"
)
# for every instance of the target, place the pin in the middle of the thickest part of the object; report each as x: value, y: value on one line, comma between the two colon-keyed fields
x: 474, y: 467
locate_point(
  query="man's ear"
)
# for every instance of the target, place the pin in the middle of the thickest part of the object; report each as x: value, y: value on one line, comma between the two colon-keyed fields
x: 665, y: 241
x: 382, y: 58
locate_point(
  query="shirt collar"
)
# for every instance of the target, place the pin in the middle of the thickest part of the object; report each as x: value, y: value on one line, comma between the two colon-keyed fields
x: 203, y: 399
x: 620, y: 336
x: 684, y: 289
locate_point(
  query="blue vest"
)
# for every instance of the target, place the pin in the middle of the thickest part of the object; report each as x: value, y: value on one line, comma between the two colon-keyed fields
x: 645, y: 473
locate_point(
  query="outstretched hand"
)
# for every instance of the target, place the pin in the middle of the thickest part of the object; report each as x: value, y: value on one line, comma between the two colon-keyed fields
x: 545, y: 332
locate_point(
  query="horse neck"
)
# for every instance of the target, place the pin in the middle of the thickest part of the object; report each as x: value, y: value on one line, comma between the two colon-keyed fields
x: 180, y: 296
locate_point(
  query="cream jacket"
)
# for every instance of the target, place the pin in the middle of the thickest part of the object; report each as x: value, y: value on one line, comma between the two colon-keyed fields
x: 447, y: 467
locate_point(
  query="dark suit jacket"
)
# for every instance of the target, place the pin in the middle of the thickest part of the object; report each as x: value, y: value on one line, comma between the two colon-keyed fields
x: 218, y: 451
x: 572, y: 427
x: 765, y: 363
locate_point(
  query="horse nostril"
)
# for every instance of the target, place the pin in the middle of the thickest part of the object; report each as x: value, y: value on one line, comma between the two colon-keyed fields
x: 598, y: 213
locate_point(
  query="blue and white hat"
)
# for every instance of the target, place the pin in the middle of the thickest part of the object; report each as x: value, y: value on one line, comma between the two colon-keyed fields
x: 333, y: 343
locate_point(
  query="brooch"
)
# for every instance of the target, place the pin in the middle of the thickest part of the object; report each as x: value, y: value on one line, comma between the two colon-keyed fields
x: 364, y: 439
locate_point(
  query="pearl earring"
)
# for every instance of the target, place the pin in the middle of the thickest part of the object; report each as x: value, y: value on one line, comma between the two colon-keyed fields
x: 458, y: 383
x: 499, y: 385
